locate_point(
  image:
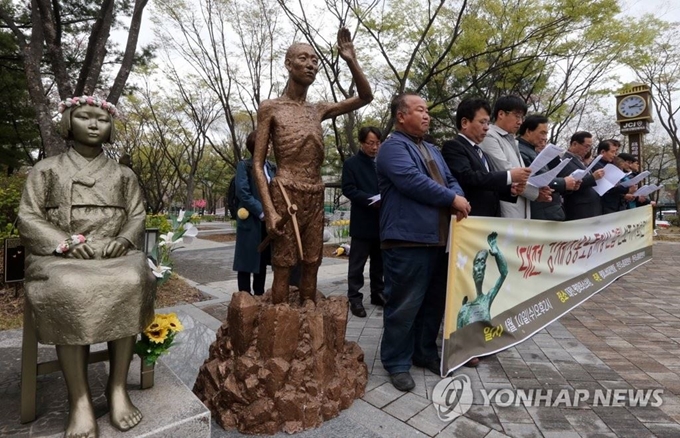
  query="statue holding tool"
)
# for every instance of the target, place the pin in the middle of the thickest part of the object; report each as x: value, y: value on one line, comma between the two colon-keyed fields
x: 293, y: 203
x: 281, y: 361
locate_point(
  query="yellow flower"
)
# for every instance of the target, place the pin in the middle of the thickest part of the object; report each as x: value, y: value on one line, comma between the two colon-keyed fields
x: 158, y: 335
x: 243, y: 213
x: 173, y: 322
x: 169, y: 321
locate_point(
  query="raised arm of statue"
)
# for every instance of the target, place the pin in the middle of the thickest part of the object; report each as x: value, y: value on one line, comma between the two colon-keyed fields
x: 500, y: 262
x: 365, y: 95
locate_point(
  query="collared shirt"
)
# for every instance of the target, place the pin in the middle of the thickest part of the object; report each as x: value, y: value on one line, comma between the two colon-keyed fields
x: 479, y: 151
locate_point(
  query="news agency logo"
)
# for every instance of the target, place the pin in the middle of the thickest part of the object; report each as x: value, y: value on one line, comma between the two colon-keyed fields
x: 452, y: 397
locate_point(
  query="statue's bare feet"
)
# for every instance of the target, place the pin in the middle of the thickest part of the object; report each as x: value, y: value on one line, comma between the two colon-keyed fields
x: 122, y: 413
x: 81, y: 420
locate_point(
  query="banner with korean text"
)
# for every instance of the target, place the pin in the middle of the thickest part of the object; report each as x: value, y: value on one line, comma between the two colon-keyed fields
x: 509, y: 278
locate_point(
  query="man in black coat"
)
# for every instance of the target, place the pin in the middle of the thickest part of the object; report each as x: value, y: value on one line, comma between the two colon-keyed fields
x: 584, y: 202
x: 360, y: 186
x: 533, y: 137
x: 613, y: 200
x: 483, y: 185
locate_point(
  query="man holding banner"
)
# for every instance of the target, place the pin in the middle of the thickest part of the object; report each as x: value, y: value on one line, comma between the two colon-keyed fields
x: 418, y: 195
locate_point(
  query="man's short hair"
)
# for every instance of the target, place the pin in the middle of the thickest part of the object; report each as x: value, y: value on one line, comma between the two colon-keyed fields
x: 364, y: 131
x: 580, y: 137
x: 398, y: 103
x: 625, y: 156
x: 467, y: 109
x: 250, y: 142
x: 509, y: 104
x: 531, y: 123
x: 605, y: 145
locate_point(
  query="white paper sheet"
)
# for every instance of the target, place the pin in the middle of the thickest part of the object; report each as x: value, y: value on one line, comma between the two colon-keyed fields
x: 647, y: 190
x: 636, y: 180
x: 612, y: 175
x: 544, y: 179
x: 374, y: 199
x: 544, y: 157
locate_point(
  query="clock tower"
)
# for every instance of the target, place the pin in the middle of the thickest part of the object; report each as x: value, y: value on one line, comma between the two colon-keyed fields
x: 634, y: 114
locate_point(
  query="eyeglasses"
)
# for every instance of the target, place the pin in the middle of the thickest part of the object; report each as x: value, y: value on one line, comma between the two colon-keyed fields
x: 518, y: 116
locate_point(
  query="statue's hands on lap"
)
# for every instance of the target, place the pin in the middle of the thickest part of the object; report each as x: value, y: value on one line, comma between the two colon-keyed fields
x: 81, y: 251
x: 116, y: 248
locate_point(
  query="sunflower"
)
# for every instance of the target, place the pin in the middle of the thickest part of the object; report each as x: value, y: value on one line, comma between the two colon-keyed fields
x: 157, y: 336
x: 172, y: 322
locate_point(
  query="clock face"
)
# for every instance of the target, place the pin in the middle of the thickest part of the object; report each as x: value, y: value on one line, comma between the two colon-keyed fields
x: 632, y: 106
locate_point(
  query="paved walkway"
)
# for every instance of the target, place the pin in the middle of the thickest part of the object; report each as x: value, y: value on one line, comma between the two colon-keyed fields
x: 626, y: 337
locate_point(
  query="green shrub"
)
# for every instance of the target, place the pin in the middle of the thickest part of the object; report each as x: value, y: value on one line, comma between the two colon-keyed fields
x: 159, y: 221
x: 10, y: 196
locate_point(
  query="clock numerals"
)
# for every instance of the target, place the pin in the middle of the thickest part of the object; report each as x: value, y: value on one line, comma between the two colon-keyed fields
x: 632, y: 106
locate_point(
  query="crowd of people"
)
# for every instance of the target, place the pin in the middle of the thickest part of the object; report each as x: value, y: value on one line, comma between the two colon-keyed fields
x: 404, y: 192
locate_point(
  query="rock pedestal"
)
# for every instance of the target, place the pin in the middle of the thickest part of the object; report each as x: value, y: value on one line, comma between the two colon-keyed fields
x: 281, y: 367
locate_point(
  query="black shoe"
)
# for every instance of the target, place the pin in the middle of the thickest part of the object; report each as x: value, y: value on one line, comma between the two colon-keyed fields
x: 432, y: 365
x: 357, y: 310
x: 402, y: 381
x: 378, y: 300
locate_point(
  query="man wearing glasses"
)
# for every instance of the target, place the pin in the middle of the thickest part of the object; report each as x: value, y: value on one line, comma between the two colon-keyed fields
x: 360, y: 186
x: 502, y: 149
x: 483, y: 184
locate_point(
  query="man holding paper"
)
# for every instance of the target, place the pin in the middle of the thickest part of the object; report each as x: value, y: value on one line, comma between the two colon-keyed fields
x: 533, y: 137
x: 483, y: 184
x: 631, y: 165
x: 583, y: 202
x: 501, y: 147
x: 612, y: 194
x: 360, y: 186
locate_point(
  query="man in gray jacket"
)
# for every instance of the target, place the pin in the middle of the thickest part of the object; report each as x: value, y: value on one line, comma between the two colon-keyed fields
x: 502, y: 149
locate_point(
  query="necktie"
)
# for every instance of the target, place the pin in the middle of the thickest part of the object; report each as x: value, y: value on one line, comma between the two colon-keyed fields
x: 481, y: 155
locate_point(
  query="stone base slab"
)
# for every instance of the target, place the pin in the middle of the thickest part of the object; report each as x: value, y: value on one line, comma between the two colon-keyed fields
x: 170, y: 409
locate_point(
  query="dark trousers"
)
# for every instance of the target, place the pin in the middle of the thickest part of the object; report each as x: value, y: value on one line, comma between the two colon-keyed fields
x: 243, y: 277
x: 415, y: 288
x: 360, y: 251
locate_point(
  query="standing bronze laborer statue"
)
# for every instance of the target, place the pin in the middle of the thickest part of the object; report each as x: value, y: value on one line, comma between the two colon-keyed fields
x: 479, y: 309
x: 81, y: 219
x: 293, y: 202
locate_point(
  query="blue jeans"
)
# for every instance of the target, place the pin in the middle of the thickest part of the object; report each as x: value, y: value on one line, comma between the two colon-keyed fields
x: 415, y: 288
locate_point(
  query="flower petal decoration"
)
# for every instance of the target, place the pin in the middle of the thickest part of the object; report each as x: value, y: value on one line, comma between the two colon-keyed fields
x: 180, y: 216
x: 158, y: 270
x: 169, y: 240
x: 157, y: 336
x: 173, y: 323
x: 190, y: 232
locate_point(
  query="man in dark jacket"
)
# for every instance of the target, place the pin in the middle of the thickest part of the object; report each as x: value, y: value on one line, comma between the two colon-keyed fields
x: 360, y: 186
x: 484, y: 186
x: 583, y: 202
x: 613, y: 199
x: 250, y: 226
x: 533, y: 137
x: 418, y: 195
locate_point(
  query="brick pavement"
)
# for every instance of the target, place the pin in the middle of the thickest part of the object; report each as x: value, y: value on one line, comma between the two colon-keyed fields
x: 626, y: 337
